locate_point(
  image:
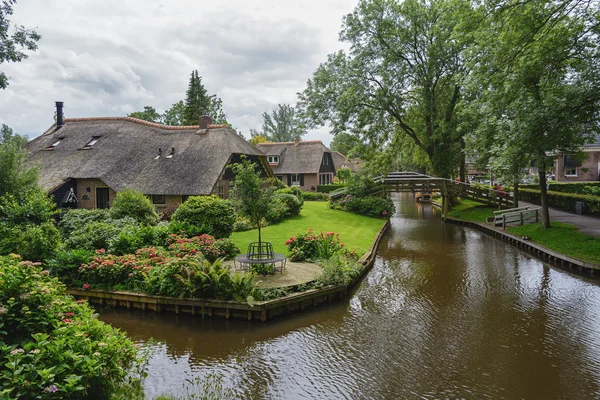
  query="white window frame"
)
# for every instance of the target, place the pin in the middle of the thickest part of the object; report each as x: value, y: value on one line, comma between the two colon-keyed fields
x: 325, y: 179
x: 273, y: 160
x: 567, y: 171
x: 295, y: 183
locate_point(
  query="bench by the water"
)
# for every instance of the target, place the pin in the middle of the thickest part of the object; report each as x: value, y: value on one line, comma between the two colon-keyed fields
x: 516, y: 216
x: 260, y: 254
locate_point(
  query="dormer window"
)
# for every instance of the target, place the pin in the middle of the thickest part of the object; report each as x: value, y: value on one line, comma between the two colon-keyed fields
x: 273, y: 160
x: 92, y: 142
x: 53, y: 145
x: 157, y: 156
x: 325, y: 159
x: 172, y: 153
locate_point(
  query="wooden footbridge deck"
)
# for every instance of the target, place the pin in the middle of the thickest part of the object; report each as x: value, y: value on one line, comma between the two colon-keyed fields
x: 415, y: 182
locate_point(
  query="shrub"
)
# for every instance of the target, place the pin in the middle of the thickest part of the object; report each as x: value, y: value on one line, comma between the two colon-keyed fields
x: 292, y: 204
x: 564, y: 201
x: 211, y: 214
x: 338, y: 270
x: 37, y: 242
x: 134, y: 204
x: 206, y: 245
x: 310, y: 246
x: 132, y: 238
x: 34, y: 208
x: 52, y: 346
x: 371, y: 206
x: 277, y: 210
x: 329, y: 188
x: 74, y: 220
x: 242, y: 224
x: 98, y: 234
x: 312, y: 196
x: 65, y: 264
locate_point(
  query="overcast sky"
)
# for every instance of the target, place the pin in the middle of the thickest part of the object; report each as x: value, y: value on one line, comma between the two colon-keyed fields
x: 112, y: 57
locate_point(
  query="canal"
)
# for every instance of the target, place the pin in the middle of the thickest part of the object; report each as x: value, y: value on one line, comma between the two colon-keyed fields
x: 446, y: 312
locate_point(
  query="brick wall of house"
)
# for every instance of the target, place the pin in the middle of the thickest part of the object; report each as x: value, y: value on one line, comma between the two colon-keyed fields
x: 588, y: 171
x: 171, y: 204
x: 87, y: 199
x: 310, y: 181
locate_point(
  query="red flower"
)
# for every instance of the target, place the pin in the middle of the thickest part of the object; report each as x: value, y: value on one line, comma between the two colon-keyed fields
x: 69, y: 314
x: 330, y: 233
x: 66, y: 320
x: 86, y: 285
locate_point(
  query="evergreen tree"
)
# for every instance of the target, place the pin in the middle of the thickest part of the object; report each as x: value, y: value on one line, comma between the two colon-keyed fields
x: 197, y: 102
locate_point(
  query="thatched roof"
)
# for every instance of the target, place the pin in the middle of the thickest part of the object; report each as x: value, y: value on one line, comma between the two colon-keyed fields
x: 302, y: 158
x: 341, y: 161
x: 125, y: 155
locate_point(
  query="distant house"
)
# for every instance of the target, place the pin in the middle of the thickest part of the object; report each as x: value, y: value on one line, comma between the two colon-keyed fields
x: 84, y: 162
x: 572, y: 169
x: 305, y: 164
x: 341, y: 161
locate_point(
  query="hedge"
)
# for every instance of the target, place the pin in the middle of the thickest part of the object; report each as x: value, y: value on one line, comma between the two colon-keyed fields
x: 329, y: 188
x: 575, y: 187
x: 564, y: 201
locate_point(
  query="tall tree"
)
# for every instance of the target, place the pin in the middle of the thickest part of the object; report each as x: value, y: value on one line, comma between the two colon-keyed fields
x: 537, y: 73
x: 346, y: 144
x: 149, y: 114
x: 283, y: 124
x: 403, y: 73
x: 197, y: 102
x: 16, y: 178
x: 13, y: 45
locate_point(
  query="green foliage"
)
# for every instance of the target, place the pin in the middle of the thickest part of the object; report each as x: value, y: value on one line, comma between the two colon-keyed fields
x: 198, y: 103
x: 312, y: 196
x: 253, y: 198
x: 338, y: 270
x: 371, y: 206
x: 271, y: 293
x: 329, y: 188
x: 291, y: 203
x: 131, y: 238
x: 51, y: 346
x: 242, y: 224
x: 210, y: 214
x: 346, y: 143
x: 97, y: 234
x: 344, y: 174
x: 16, y: 177
x: 310, y: 246
x: 564, y: 201
x: 66, y: 262
x: 471, y: 211
x: 77, y: 219
x: 182, y: 271
x: 13, y: 45
x: 174, y: 115
x: 149, y: 114
x: 33, y: 208
x: 589, y: 188
x: 134, y: 204
x: 283, y: 124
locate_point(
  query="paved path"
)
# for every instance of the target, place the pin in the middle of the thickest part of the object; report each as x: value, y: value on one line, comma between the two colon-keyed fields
x: 294, y: 273
x: 585, y: 223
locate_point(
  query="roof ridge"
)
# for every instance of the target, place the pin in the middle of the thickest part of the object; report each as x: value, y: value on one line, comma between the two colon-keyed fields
x: 279, y: 143
x: 143, y: 122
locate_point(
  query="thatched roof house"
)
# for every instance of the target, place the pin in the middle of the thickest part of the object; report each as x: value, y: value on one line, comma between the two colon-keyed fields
x: 86, y: 160
x: 341, y: 161
x: 305, y: 164
x: 574, y: 169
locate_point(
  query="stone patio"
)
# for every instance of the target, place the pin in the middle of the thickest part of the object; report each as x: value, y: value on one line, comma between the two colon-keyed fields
x: 294, y: 273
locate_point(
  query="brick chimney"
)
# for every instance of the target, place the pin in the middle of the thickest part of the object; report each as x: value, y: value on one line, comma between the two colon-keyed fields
x: 205, y: 121
x: 59, y: 114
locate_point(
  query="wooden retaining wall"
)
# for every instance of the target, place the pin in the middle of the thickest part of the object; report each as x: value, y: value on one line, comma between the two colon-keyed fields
x: 262, y: 310
x: 537, y: 250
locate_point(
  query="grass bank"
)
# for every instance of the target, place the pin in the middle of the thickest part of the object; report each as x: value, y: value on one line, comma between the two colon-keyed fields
x: 470, y: 210
x: 356, y: 231
x: 564, y: 238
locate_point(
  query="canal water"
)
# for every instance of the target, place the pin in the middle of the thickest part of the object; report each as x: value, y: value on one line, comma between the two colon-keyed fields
x: 446, y: 313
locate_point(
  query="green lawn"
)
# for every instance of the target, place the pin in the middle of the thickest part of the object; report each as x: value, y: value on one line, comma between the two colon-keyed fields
x: 471, y: 211
x: 356, y: 231
x: 564, y: 238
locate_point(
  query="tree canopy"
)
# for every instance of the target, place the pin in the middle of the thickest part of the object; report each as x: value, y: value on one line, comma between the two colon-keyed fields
x: 13, y: 44
x: 283, y: 124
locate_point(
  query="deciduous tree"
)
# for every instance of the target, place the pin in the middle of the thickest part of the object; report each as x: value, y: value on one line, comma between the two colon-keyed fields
x: 149, y: 114
x: 283, y: 124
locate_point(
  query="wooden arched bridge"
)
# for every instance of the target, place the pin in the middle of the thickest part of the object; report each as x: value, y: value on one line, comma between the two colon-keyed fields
x: 415, y: 182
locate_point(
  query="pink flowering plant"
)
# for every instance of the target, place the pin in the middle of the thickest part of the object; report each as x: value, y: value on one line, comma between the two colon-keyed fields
x: 311, y: 246
x: 51, y: 346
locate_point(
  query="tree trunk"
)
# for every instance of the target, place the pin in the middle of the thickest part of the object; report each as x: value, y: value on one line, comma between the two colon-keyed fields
x: 544, y: 197
x: 463, y: 168
x: 516, y: 194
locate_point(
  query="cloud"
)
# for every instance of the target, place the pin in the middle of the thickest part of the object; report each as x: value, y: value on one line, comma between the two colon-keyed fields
x: 114, y: 57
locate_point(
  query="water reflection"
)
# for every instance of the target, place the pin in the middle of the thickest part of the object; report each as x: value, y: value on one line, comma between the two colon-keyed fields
x: 446, y: 312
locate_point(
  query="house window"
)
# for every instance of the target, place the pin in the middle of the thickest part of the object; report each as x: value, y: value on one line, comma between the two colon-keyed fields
x: 280, y: 177
x: 53, y: 145
x: 273, y: 160
x: 295, y: 180
x: 221, y: 191
x: 324, y: 179
x: 159, y: 199
x: 570, y: 171
x: 184, y: 198
x: 91, y: 143
x: 325, y: 160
